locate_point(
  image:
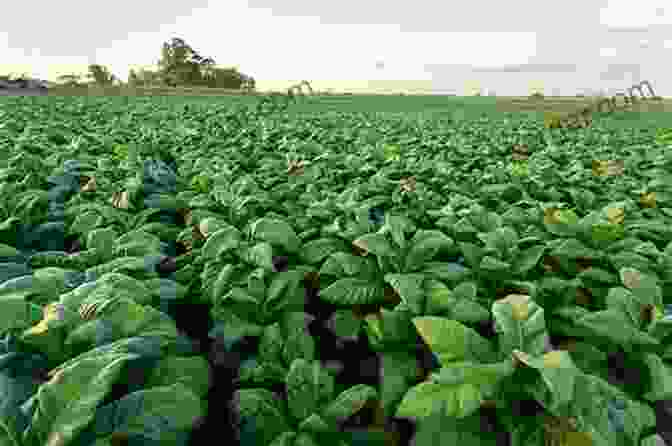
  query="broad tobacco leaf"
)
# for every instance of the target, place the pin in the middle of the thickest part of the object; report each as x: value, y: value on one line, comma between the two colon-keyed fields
x: 276, y: 232
x: 309, y: 388
x: 520, y: 324
x: 423, y: 247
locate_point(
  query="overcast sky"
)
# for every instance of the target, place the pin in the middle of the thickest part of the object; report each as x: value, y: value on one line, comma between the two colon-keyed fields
x: 509, y: 48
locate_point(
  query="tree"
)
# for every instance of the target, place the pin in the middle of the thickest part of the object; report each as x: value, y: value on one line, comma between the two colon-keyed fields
x: 101, y: 75
x: 249, y: 84
x: 14, y: 77
x: 71, y: 80
x: 145, y: 78
x: 133, y: 78
x: 181, y: 65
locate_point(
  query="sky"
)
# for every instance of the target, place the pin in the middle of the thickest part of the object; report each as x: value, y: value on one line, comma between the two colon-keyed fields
x: 508, y: 48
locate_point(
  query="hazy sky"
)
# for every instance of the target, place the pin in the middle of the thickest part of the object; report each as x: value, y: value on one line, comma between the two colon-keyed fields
x: 509, y: 47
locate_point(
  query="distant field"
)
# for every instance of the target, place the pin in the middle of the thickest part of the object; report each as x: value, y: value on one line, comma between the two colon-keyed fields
x: 426, y: 105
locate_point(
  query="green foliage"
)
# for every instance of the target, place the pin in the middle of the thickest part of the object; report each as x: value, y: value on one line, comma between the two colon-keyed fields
x: 492, y: 240
x: 70, y: 80
x: 101, y: 75
x: 182, y: 65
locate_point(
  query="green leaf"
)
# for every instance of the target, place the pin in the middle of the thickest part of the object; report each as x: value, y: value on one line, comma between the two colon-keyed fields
x: 218, y: 282
x: 348, y: 403
x: 561, y: 222
x: 451, y: 341
x: 166, y: 289
x: 557, y: 377
x: 67, y: 403
x: 598, y: 275
x: 520, y: 324
x: 439, y: 297
x: 313, y: 424
x: 425, y: 398
x: 352, y: 291
x: 469, y: 311
x: 285, y: 439
x: 16, y: 312
x: 643, y: 286
x: 457, y: 391
x: 271, y: 343
x: 493, y: 265
x: 502, y: 240
x: 340, y: 263
x: 137, y: 244
x: 400, y: 369
x: 484, y: 221
x: 261, y: 375
x: 345, y: 324
x: 296, y: 344
x: 398, y: 226
x: 260, y: 255
x: 256, y: 285
x: 244, y: 304
x: 261, y: 406
x: 315, y: 251
x: 221, y: 241
x: 440, y: 429
x: 472, y: 254
x: 309, y: 388
x: 85, y: 223
x: 102, y: 240
x: 448, y: 271
x: 615, y: 326
x: 528, y: 259
x: 376, y: 244
x: 192, y: 372
x: 286, y: 292
x: 276, y: 232
x: 424, y: 246
x: 410, y: 288
x: 660, y: 377
x: 572, y: 249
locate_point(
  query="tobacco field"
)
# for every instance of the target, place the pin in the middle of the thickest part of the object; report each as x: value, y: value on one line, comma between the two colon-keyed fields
x: 177, y: 271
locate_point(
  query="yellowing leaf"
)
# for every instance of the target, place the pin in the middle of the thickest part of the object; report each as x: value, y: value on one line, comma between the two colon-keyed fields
x: 121, y: 200
x: 295, y: 167
x: 608, y: 168
x: 40, y: 327
x: 648, y: 200
x: 555, y: 216
x: 407, y: 184
x: 551, y: 216
x: 615, y: 215
x: 90, y: 185
x: 520, y: 358
x: 631, y: 277
x: 519, y: 306
x: 56, y: 439
x: 578, y: 439
x: 553, y: 359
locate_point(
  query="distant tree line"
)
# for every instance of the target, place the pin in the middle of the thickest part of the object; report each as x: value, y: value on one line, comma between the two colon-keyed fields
x: 179, y: 66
